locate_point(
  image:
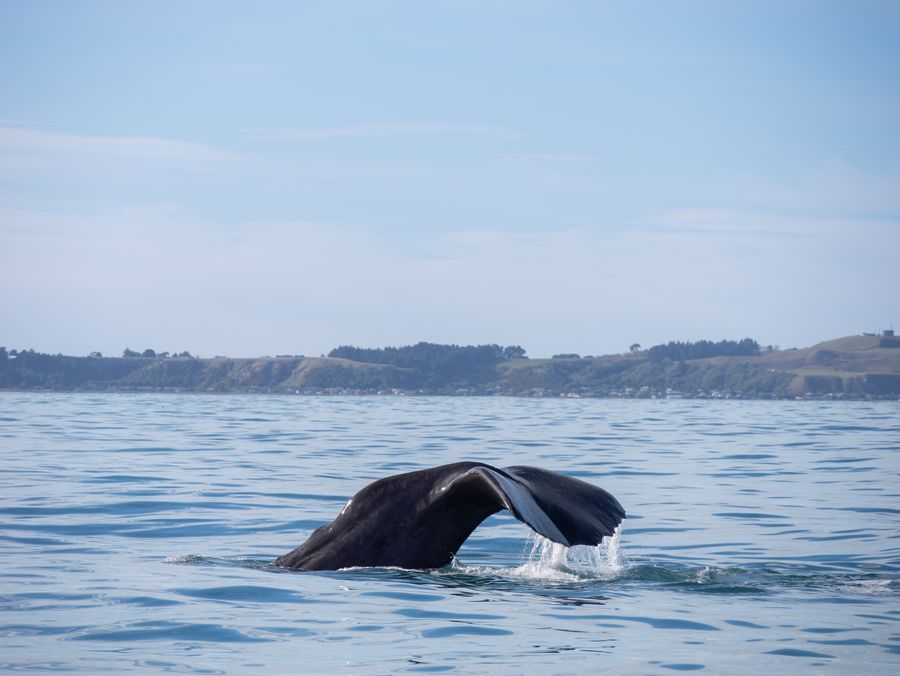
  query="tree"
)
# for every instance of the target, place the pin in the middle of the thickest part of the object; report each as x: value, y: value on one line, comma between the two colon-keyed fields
x: 150, y: 354
x: 635, y: 347
x: 130, y: 353
x: 513, y: 352
x: 96, y: 355
x: 703, y: 349
x: 436, y: 364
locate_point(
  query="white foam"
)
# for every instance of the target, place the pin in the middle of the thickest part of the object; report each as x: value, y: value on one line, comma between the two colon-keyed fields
x: 874, y: 586
x: 184, y: 559
x: 550, y: 560
x: 553, y: 562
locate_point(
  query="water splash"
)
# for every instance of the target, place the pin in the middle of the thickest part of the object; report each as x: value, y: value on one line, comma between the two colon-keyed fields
x: 203, y: 560
x: 186, y: 559
x: 549, y: 560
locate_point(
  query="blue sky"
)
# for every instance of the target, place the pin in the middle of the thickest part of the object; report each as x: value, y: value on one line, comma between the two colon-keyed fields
x: 274, y: 178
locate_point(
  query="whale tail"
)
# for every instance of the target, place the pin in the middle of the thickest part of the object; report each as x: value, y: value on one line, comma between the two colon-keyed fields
x: 420, y: 519
x: 563, y: 509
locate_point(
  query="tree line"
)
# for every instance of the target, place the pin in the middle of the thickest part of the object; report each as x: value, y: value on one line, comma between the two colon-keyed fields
x: 446, y: 361
x: 703, y: 349
x: 150, y: 354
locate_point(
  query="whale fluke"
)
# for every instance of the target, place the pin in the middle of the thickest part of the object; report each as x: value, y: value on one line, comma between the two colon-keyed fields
x: 421, y: 519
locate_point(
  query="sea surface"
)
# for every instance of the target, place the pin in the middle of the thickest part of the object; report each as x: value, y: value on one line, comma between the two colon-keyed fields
x: 137, y: 534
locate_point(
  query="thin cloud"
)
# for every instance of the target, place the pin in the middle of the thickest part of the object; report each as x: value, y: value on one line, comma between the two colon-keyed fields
x: 730, y: 223
x: 17, y: 122
x: 372, y: 129
x: 32, y: 147
x: 554, y: 158
x: 224, y: 291
x: 249, y: 68
x: 833, y: 187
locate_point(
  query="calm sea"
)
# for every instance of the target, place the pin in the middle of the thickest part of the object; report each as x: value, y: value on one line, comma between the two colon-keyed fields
x: 137, y: 533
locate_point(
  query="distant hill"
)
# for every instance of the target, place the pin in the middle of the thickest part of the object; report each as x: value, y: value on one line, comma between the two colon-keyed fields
x: 854, y: 367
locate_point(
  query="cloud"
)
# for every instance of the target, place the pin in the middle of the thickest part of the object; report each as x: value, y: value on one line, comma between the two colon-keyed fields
x: 249, y: 68
x: 17, y: 122
x: 371, y: 129
x: 833, y: 187
x: 742, y: 226
x: 156, y: 275
x: 555, y: 158
x: 23, y: 148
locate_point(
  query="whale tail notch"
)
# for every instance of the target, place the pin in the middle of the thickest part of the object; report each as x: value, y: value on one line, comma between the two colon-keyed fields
x: 420, y: 519
x: 583, y: 513
x: 561, y: 508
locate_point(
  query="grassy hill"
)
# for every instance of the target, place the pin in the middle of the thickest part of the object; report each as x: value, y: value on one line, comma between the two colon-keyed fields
x: 263, y: 374
x: 850, y: 364
x: 851, y: 367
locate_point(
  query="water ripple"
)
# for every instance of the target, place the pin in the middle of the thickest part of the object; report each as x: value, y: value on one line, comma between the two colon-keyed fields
x: 138, y: 534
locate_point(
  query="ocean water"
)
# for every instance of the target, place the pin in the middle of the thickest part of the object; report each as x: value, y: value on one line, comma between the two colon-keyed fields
x: 137, y: 534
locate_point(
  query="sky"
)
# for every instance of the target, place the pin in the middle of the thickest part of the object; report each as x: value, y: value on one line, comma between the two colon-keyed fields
x: 265, y: 178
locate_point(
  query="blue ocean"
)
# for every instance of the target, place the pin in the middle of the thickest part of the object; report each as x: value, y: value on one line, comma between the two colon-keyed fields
x: 137, y: 533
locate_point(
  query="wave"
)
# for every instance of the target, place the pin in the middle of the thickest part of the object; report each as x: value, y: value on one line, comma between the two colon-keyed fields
x: 605, y: 567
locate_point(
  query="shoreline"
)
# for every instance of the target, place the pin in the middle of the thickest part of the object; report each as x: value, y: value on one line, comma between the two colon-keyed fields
x: 469, y: 395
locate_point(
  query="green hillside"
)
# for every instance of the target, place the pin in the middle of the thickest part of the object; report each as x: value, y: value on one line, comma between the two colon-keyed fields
x: 853, y: 367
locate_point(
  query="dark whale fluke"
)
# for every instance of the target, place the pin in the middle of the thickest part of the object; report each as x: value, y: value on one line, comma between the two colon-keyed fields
x: 420, y: 519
